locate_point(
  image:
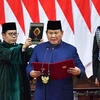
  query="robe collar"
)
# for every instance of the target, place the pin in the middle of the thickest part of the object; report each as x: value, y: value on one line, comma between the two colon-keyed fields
x: 7, y: 45
x: 55, y: 46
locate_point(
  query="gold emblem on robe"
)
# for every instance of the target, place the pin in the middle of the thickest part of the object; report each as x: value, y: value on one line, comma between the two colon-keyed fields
x: 45, y: 79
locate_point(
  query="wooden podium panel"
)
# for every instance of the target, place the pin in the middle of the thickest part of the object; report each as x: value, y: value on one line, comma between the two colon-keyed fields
x: 85, y: 89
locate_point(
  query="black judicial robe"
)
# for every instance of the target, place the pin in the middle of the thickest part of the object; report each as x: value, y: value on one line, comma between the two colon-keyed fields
x: 14, y: 84
x: 96, y: 62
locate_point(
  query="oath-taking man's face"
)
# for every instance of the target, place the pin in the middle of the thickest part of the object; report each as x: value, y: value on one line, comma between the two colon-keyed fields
x: 54, y: 36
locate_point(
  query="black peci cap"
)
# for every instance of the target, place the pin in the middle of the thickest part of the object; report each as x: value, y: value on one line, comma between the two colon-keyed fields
x: 98, y: 27
x: 54, y: 25
x: 8, y: 26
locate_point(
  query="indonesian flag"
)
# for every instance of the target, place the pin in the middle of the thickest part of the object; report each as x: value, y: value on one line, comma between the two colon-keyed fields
x: 79, y: 18
x: 2, y: 14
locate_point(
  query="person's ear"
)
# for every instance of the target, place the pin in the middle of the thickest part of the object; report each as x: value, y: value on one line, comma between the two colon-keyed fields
x: 62, y: 32
x: 3, y: 35
x: 46, y: 32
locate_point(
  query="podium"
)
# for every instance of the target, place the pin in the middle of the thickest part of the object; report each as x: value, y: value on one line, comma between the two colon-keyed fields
x: 85, y: 89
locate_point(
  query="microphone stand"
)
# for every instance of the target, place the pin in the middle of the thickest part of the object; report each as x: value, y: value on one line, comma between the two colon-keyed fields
x: 49, y: 70
x: 43, y: 73
x: 44, y: 91
x: 48, y: 75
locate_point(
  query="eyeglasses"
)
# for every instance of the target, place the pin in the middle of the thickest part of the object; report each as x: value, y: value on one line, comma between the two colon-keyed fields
x: 13, y: 34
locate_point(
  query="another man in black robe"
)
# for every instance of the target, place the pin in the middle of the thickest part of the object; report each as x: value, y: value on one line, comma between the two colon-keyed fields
x: 14, y: 84
x: 96, y: 56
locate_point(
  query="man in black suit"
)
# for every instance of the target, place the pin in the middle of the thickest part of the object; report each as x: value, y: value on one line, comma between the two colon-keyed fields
x: 96, y: 56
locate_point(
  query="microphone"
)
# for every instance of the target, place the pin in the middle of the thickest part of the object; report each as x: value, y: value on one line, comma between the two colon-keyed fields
x: 50, y: 59
x: 47, y: 48
x: 45, y: 78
